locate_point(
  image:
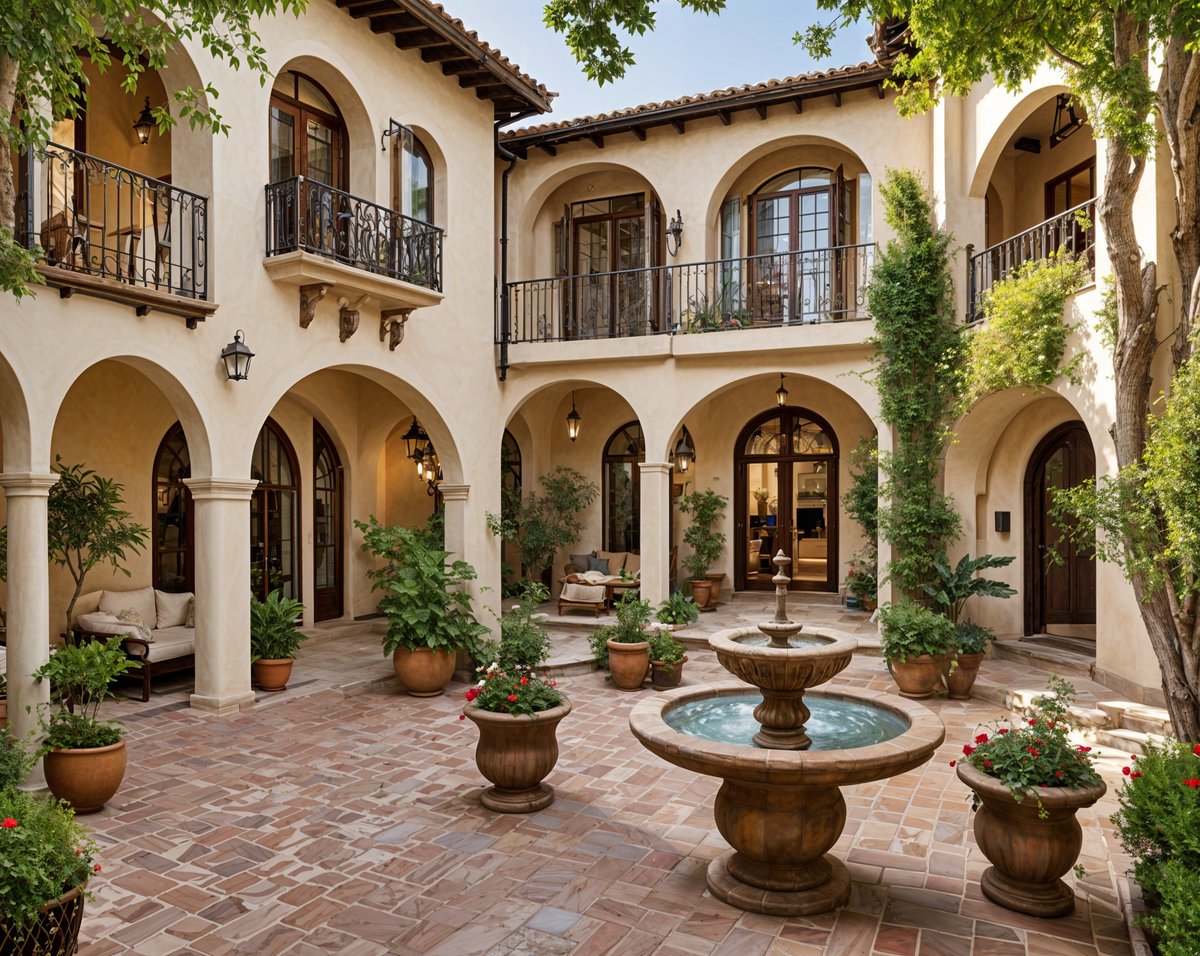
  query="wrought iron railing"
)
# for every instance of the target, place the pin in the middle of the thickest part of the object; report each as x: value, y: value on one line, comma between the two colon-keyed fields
x: 793, y: 288
x: 94, y: 217
x: 309, y: 216
x: 1069, y: 233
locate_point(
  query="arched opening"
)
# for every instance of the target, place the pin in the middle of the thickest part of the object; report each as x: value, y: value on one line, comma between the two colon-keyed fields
x: 274, y: 515
x: 1060, y: 578
x: 622, y: 488
x: 307, y: 134
x: 786, y: 498
x: 328, y: 593
x: 172, y: 536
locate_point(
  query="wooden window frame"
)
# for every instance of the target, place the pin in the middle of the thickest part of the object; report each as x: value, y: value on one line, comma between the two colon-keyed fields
x: 300, y: 112
x: 1066, y: 177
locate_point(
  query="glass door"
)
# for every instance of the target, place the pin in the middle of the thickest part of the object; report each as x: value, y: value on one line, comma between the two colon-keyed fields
x: 327, y: 528
x: 274, y: 517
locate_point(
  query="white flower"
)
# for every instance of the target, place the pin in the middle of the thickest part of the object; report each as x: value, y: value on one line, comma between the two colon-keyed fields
x: 493, y: 667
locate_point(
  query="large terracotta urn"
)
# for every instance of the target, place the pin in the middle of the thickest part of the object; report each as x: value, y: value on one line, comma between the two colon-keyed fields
x: 962, y: 676
x: 715, y: 579
x: 272, y: 675
x: 516, y: 753
x: 916, y: 676
x: 628, y: 663
x: 701, y: 593
x: 1029, y: 852
x: 53, y: 932
x: 86, y: 777
x: 424, y: 673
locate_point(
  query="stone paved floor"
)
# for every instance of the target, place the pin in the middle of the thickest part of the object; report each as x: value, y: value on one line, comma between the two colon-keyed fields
x: 343, y: 817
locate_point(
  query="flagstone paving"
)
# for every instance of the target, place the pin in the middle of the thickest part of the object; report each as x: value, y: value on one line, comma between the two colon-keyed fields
x: 344, y: 817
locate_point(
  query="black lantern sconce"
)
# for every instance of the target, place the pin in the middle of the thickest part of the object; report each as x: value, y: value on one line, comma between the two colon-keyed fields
x: 236, y: 357
x: 781, y: 393
x: 413, y: 439
x: 573, y: 420
x: 1066, y: 120
x: 675, y: 232
x: 144, y: 124
x: 685, y: 453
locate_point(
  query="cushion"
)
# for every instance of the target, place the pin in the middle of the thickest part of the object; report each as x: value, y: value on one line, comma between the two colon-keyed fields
x: 172, y: 642
x: 633, y: 564
x: 598, y: 564
x: 593, y: 577
x: 130, y: 616
x: 141, y: 601
x: 616, y: 559
x: 579, y: 562
x: 191, y: 614
x: 97, y: 622
x: 583, y: 593
x: 172, y: 609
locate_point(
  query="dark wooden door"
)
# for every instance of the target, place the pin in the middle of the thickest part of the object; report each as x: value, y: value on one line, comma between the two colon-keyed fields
x: 327, y: 528
x: 1060, y: 577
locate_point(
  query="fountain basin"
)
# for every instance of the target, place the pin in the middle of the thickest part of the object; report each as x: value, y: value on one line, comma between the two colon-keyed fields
x: 741, y: 652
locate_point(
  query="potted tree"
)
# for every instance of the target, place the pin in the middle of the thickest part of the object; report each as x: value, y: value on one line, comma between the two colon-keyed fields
x: 429, y: 615
x: 624, y: 647
x: 706, y: 508
x: 1028, y: 782
x: 84, y: 755
x: 274, y: 639
x: 677, y: 611
x: 913, y: 640
x: 667, y: 657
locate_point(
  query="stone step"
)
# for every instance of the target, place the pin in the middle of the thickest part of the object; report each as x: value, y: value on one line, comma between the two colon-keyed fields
x: 1139, y: 717
x: 1127, y: 741
x: 1048, y: 659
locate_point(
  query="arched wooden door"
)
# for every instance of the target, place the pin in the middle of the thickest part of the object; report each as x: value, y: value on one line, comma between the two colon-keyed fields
x: 173, y: 544
x: 786, y: 497
x: 274, y: 515
x: 1060, y: 579
x: 327, y: 528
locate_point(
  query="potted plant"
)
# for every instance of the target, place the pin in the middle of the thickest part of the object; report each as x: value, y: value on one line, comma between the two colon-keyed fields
x: 913, y: 639
x: 84, y: 755
x: 707, y: 508
x: 678, y: 611
x: 45, y: 864
x: 624, y: 647
x: 429, y: 615
x: 274, y: 639
x: 862, y: 580
x: 953, y: 586
x: 761, y: 497
x: 542, y: 524
x: 667, y: 657
x: 971, y: 642
x: 523, y: 638
x: 1028, y: 781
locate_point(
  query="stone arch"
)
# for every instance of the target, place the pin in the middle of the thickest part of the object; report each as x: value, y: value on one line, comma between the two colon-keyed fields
x: 23, y: 449
x: 1020, y: 110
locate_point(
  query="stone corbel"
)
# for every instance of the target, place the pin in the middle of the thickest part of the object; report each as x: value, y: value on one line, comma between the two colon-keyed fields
x: 310, y: 295
x: 391, y: 326
x: 348, y: 317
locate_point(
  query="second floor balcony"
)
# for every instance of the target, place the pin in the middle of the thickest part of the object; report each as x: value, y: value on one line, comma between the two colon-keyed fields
x: 803, y: 287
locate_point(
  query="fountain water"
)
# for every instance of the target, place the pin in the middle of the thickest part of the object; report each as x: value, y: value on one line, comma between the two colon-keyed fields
x: 780, y: 805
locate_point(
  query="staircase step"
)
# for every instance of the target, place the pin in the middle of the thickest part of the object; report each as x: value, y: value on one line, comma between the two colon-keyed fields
x: 1127, y: 741
x: 1047, y: 659
x: 1139, y: 717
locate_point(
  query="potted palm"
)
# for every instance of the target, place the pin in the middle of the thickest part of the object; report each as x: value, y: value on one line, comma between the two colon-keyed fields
x: 1028, y: 781
x: 274, y: 639
x: 913, y: 640
x: 706, y: 508
x: 677, y: 611
x: 667, y: 657
x: 84, y: 755
x: 429, y: 615
x: 624, y: 647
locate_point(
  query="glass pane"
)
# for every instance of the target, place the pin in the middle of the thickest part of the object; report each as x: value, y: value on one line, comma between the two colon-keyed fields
x: 621, y: 506
x: 762, y: 513
x: 1081, y: 187
x: 809, y: 541
x: 808, y: 438
x: 282, y: 145
x: 864, y: 208
x: 320, y: 153
x: 285, y: 84
x: 419, y: 188
x: 815, y: 176
x: 782, y: 183
x: 628, y: 203
x: 627, y: 442
x: 308, y: 93
x: 766, y: 439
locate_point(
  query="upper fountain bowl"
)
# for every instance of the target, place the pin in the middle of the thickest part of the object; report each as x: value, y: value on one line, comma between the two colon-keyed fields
x: 817, y: 655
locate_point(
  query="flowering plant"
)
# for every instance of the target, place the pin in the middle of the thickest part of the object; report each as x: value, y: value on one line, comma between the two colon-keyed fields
x: 513, y: 690
x: 1036, y: 755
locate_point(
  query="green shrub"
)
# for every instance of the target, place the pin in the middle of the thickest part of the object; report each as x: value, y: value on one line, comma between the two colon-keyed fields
x: 910, y: 630
x: 15, y: 761
x: 664, y: 648
x: 632, y: 627
x: 678, y: 609
x: 80, y: 677
x: 273, y: 632
x: 523, y: 640
x: 707, y: 508
x: 972, y: 638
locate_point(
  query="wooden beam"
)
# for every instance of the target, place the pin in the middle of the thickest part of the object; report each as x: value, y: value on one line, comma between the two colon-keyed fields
x: 373, y: 8
x: 389, y: 22
x: 491, y: 92
x: 798, y: 102
x: 639, y: 132
x: 726, y: 116
x: 679, y: 125
x: 837, y: 98
x: 469, y: 81
x: 548, y: 150
x: 440, y: 52
x: 456, y: 67
x: 407, y: 39
x: 762, y: 111
x: 597, y: 141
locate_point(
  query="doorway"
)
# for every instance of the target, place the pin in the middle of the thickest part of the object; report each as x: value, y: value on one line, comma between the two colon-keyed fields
x: 274, y: 516
x: 327, y: 528
x: 1060, y: 579
x: 786, y: 498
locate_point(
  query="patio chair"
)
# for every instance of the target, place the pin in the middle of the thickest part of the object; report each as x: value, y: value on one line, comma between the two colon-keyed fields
x: 586, y: 596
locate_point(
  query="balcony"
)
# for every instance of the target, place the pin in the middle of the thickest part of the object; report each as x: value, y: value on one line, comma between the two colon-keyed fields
x: 325, y: 240
x: 1069, y: 233
x: 765, y: 291
x: 113, y: 233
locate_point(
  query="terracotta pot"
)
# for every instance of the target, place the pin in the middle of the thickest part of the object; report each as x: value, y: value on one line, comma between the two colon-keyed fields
x: 272, y: 674
x: 516, y: 753
x: 701, y: 592
x: 1029, y: 854
x: 714, y: 579
x: 665, y: 676
x: 917, y: 676
x: 869, y: 605
x: 424, y: 673
x: 3, y: 711
x: 87, y: 777
x: 54, y: 931
x: 961, y: 679
x: 628, y: 664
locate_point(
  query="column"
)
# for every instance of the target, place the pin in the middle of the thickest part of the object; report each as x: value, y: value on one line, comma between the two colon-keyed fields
x: 454, y: 523
x: 222, y: 527
x: 655, y: 530
x: 28, y: 603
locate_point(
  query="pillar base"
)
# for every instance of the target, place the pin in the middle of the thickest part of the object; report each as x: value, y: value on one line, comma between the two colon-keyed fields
x: 220, y: 706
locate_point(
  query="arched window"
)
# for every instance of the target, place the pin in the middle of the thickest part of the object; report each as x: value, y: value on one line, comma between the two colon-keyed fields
x: 327, y: 528
x: 274, y: 515
x: 172, y: 536
x: 622, y: 494
x: 510, y: 465
x: 307, y: 133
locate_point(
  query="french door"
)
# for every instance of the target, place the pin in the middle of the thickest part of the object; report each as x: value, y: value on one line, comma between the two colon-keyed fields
x: 274, y: 516
x: 327, y: 528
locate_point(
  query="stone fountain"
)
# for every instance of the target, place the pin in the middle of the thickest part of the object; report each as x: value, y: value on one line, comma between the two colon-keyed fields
x: 783, y: 754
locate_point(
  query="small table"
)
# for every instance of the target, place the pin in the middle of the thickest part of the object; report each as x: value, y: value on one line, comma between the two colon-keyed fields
x: 613, y: 587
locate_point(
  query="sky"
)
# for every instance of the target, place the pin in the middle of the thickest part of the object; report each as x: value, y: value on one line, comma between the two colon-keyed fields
x: 687, y: 53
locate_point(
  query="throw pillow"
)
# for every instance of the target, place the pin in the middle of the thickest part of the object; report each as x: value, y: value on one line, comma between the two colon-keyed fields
x: 191, y: 613
x: 579, y: 562
x: 129, y: 616
x: 598, y: 564
x: 171, y: 608
x: 141, y: 600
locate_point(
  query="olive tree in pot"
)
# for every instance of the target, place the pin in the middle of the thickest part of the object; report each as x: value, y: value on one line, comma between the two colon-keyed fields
x: 429, y: 615
x: 274, y: 639
x: 914, y: 639
x: 706, y: 508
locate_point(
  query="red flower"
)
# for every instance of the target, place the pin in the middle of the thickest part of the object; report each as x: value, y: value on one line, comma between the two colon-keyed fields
x: 1033, y: 722
x: 987, y: 764
x: 8, y: 823
x: 953, y: 762
x: 1002, y: 730
x: 1058, y: 773
x: 1033, y: 751
x: 1135, y: 775
x: 1084, y: 750
x: 524, y: 681
x: 472, y: 694
x: 1196, y: 750
x: 512, y: 698
x: 1125, y: 770
x: 1133, y: 756
x: 462, y: 716
x: 981, y: 739
x: 968, y: 750
x: 96, y: 868
x: 1050, y: 724
x: 1194, y: 782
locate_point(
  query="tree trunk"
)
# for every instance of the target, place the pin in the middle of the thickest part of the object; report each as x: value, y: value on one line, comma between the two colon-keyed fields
x: 9, y: 71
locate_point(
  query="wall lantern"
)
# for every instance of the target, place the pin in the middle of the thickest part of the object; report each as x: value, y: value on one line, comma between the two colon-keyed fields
x: 236, y: 357
x: 144, y: 124
x: 781, y: 393
x: 413, y: 438
x: 1066, y: 120
x: 674, y: 232
x: 573, y: 420
x: 685, y: 454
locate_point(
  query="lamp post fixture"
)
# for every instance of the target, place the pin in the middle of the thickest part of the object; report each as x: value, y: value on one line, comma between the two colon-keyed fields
x: 674, y: 232
x: 413, y: 439
x: 144, y: 124
x: 573, y: 420
x: 685, y: 454
x: 236, y: 356
x: 781, y: 393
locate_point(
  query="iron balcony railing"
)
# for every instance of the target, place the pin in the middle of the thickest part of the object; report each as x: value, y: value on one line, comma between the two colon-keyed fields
x: 101, y: 219
x: 1069, y: 233
x: 309, y: 216
x: 792, y: 288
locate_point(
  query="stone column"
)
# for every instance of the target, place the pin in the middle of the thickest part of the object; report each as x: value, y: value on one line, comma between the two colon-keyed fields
x: 29, y: 624
x: 222, y: 527
x: 655, y: 530
x: 454, y: 522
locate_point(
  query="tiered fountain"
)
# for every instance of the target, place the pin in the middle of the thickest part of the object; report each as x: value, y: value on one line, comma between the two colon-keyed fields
x: 783, y: 756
